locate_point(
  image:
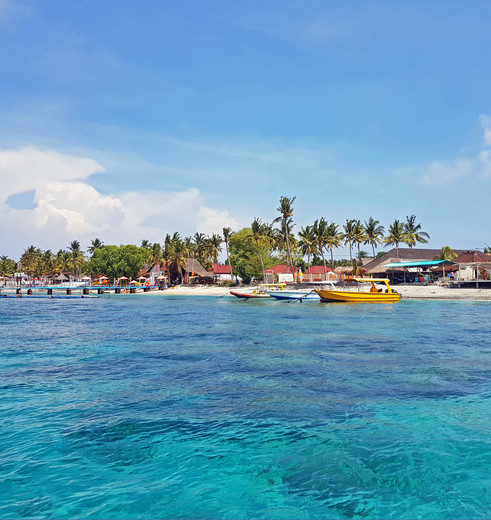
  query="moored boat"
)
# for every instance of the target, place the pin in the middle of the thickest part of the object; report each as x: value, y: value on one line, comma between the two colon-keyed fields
x: 359, y: 290
x: 308, y: 292
x: 261, y: 291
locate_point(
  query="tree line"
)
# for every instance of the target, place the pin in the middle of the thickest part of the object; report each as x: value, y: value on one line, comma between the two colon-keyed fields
x: 249, y: 251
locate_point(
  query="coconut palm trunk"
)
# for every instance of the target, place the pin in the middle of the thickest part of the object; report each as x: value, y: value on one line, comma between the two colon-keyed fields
x: 286, y: 211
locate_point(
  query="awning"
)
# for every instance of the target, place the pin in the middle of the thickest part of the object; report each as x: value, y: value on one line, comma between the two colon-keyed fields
x: 428, y: 263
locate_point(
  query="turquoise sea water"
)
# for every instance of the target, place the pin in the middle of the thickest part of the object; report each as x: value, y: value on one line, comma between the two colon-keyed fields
x: 199, y: 407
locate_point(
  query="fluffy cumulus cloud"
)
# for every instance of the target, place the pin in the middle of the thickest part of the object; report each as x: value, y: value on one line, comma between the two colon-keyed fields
x: 66, y: 207
x: 75, y: 207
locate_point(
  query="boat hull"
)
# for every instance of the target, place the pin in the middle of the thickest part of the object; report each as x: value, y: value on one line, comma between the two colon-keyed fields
x: 246, y: 296
x: 358, y: 297
x: 293, y: 295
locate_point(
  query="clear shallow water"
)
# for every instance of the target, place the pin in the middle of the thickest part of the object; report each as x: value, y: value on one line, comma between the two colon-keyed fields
x: 158, y: 407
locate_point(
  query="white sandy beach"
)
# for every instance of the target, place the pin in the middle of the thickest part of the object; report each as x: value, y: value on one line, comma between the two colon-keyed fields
x: 435, y: 292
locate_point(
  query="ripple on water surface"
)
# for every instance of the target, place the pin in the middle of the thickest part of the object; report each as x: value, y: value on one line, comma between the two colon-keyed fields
x: 150, y: 407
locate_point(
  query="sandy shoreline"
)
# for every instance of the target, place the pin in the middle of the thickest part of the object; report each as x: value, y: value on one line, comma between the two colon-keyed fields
x: 429, y: 292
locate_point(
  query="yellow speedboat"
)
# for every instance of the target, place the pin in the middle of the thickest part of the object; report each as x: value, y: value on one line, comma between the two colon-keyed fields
x: 358, y: 290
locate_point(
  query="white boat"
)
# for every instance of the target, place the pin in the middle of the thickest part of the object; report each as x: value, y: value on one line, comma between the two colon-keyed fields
x: 304, y: 293
x: 260, y: 291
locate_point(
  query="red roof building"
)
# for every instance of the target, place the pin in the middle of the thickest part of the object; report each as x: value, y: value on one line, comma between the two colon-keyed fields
x: 221, y: 269
x: 317, y: 269
x: 280, y: 269
x: 223, y: 273
x: 316, y: 274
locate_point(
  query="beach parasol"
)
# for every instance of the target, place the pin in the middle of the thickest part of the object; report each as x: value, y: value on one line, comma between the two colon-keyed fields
x: 141, y: 278
x: 86, y: 278
x: 123, y: 278
x: 133, y: 281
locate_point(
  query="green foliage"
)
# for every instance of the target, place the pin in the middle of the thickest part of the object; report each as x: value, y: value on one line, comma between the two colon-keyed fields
x: 117, y: 261
x: 7, y: 266
x: 413, y: 233
x: 245, y: 258
x: 447, y: 253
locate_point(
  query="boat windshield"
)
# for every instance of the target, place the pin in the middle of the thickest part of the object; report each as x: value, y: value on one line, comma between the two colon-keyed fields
x: 372, y: 285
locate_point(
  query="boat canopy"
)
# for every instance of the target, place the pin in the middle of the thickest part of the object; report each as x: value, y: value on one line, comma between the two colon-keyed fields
x: 428, y: 263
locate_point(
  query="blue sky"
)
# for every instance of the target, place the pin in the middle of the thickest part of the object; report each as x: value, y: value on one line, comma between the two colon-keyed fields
x: 128, y: 120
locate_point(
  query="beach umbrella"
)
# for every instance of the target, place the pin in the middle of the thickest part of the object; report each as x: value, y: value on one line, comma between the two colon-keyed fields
x: 86, y: 278
x: 133, y: 281
x: 123, y: 278
x: 103, y: 278
x: 161, y: 277
x: 141, y: 278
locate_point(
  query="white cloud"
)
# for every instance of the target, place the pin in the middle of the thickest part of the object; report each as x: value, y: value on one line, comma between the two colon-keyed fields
x: 213, y: 221
x: 445, y: 172
x: 77, y: 206
x: 67, y: 207
x: 29, y: 168
x: 468, y: 168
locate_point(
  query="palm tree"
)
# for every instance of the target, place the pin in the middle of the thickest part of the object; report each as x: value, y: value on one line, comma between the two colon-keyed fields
x: 177, y: 253
x: 308, y: 243
x: 359, y: 235
x: 396, y: 235
x: 286, y: 213
x: 215, y: 246
x: 30, y: 259
x: 374, y: 233
x: 413, y: 233
x: 350, y: 234
x: 146, y: 244
x: 7, y: 266
x: 95, y: 244
x: 200, y: 243
x: 63, y: 261
x: 320, y: 228
x: 227, y: 235
x: 167, y: 250
x: 155, y: 255
x: 447, y: 253
x: 74, y: 246
x: 77, y: 260
x: 333, y: 238
x: 48, y: 262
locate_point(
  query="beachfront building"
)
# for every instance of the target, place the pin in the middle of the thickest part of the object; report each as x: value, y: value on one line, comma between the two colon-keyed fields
x: 62, y: 278
x: 191, y: 272
x: 223, y: 273
x: 152, y: 274
x: 378, y: 266
x: 316, y: 274
x: 468, y: 265
x: 473, y: 265
x: 280, y: 273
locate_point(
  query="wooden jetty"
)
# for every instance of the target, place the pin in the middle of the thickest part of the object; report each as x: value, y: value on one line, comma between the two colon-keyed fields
x: 84, y: 291
x: 471, y: 284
